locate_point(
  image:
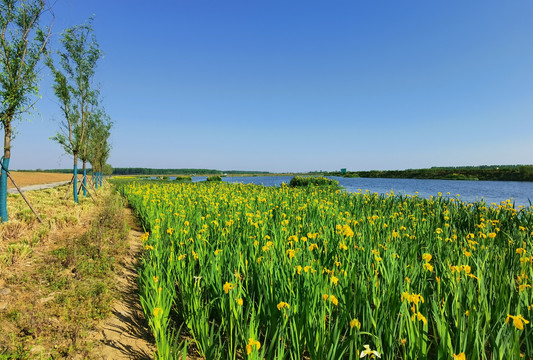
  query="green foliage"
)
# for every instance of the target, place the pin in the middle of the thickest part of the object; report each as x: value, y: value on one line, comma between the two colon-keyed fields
x: 495, y: 172
x: 107, y: 169
x: 73, y: 87
x: 183, y: 178
x: 456, y: 176
x: 214, y: 178
x: 150, y: 171
x: 299, y: 181
x: 22, y: 42
x: 97, y: 148
x: 78, y: 99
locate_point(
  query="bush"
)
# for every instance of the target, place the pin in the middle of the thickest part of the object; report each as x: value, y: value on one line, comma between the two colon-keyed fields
x: 299, y: 181
x: 183, y: 178
x: 214, y: 178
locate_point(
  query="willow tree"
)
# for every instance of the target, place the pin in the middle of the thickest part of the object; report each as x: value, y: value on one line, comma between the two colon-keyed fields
x: 74, y: 89
x: 22, y: 43
x: 98, y: 145
x: 84, y: 154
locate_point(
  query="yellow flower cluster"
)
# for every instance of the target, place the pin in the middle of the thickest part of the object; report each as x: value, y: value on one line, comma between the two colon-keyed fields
x: 466, y: 268
x: 518, y: 321
x: 332, y: 298
x: 283, y: 305
x: 412, y: 298
x: 355, y: 323
x: 251, y: 345
x: 427, y: 266
x: 228, y: 286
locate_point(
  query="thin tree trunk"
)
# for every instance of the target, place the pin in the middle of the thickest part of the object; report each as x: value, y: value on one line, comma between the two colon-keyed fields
x: 5, y: 168
x: 90, y: 181
x: 75, y: 183
x: 84, y: 182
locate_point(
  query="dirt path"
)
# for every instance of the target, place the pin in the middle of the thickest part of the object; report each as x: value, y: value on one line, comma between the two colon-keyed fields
x: 125, y: 335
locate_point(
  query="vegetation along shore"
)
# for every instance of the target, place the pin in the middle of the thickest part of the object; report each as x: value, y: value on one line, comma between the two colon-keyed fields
x: 485, y: 172
x: 493, y: 172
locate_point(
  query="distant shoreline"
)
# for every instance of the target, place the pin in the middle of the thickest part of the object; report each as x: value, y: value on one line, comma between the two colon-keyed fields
x: 472, y: 173
x: 491, y: 173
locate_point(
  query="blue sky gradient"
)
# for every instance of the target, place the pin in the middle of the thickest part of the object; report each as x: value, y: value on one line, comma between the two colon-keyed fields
x: 302, y: 85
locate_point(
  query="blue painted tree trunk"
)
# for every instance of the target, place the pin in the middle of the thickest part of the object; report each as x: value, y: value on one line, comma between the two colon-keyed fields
x: 75, y: 183
x: 3, y: 190
x: 101, y: 176
x: 84, y: 182
x: 95, y: 179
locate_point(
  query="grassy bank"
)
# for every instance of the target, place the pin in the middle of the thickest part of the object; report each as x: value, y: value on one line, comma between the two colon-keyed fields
x: 56, y: 277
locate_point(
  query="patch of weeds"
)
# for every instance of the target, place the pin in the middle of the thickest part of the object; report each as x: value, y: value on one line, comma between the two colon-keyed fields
x: 25, y: 215
x: 13, y: 253
x: 17, y: 353
x: 59, y: 283
x: 14, y: 315
x: 40, y: 234
x: 60, y: 253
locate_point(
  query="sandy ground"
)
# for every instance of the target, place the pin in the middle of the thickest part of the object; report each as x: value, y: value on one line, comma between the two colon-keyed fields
x: 24, y: 179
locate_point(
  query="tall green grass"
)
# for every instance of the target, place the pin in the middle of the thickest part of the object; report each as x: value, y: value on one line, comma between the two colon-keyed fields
x: 289, y: 273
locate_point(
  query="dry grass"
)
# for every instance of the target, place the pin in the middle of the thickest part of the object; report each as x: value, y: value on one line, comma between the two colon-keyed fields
x: 57, y: 214
x: 53, y: 282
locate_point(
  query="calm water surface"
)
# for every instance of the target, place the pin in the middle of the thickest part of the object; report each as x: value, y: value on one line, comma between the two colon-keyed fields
x: 490, y: 191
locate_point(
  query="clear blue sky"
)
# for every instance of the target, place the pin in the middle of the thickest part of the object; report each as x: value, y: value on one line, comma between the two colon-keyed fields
x: 302, y: 85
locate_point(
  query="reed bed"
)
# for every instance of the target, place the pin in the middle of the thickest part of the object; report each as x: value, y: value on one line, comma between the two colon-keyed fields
x: 260, y: 272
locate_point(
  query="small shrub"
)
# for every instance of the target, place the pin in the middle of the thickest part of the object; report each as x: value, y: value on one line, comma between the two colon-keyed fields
x: 183, y: 178
x: 302, y: 181
x: 214, y: 178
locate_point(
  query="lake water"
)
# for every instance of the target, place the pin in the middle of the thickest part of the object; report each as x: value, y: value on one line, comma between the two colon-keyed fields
x: 490, y: 191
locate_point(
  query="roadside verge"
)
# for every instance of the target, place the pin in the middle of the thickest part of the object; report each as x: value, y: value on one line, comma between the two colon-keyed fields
x: 68, y: 280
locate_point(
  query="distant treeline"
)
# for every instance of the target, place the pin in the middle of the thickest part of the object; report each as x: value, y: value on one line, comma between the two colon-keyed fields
x: 485, y: 172
x: 150, y: 171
